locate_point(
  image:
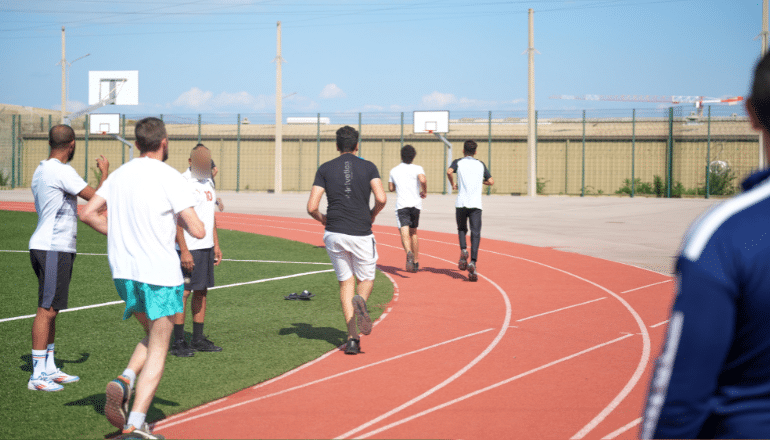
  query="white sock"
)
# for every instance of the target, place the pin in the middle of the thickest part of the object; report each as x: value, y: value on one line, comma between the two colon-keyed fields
x: 38, y: 362
x: 50, y: 365
x: 136, y: 419
x: 130, y: 375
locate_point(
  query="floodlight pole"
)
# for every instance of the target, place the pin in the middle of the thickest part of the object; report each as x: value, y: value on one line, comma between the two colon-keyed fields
x: 448, y: 156
x: 531, y: 165
x: 278, y: 117
x: 63, y: 77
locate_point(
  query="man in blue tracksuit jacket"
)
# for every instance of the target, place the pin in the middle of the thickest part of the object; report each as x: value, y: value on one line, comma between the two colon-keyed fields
x: 713, y: 378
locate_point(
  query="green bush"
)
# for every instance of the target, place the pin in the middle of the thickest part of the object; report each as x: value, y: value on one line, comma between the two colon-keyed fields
x: 541, y: 185
x: 5, y: 179
x: 721, y: 184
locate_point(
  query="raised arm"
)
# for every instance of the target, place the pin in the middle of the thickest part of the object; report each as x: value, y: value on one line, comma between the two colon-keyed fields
x: 189, y: 220
x: 104, y: 166
x: 91, y: 214
x: 380, y: 198
x: 314, y: 202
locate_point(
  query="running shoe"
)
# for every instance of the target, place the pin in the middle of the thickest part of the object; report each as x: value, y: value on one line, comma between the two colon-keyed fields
x: 116, y: 408
x: 132, y: 432
x: 362, y: 315
x: 204, y: 344
x: 180, y: 349
x: 61, y: 377
x: 416, y: 266
x: 472, y: 274
x: 353, y: 346
x: 410, y: 262
x: 43, y: 383
x: 463, y: 264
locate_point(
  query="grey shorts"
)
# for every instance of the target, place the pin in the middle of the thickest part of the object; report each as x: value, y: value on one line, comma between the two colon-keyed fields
x: 202, y: 276
x: 54, y: 272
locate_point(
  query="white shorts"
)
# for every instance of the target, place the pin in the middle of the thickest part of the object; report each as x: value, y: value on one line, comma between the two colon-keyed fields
x: 352, y: 255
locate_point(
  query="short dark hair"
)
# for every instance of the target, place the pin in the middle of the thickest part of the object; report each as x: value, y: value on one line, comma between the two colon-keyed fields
x: 347, y: 139
x: 760, y: 92
x: 60, y: 136
x: 408, y: 153
x: 149, y: 132
x: 199, y: 145
x: 469, y: 147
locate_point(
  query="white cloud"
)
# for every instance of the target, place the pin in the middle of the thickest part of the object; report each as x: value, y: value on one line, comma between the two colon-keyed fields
x: 438, y: 99
x: 194, y: 98
x: 331, y: 91
x: 197, y: 99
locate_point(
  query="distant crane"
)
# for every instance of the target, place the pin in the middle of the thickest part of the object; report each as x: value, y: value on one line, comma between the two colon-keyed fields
x: 699, y: 101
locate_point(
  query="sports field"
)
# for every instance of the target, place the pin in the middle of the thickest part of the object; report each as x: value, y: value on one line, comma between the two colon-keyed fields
x: 262, y: 334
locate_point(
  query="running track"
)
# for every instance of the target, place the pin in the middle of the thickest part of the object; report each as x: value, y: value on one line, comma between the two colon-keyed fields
x: 546, y: 344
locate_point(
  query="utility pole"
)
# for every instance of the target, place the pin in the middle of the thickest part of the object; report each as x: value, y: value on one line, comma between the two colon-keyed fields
x: 531, y: 166
x: 63, y: 78
x: 278, y: 118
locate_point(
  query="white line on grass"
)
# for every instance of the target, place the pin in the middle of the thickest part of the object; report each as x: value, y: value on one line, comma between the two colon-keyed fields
x: 488, y: 388
x: 649, y: 285
x: 622, y: 429
x: 160, y: 426
x: 559, y: 310
x: 264, y: 280
x: 224, y: 259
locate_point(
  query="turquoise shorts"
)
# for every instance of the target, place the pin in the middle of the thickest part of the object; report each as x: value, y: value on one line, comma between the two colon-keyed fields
x: 154, y: 301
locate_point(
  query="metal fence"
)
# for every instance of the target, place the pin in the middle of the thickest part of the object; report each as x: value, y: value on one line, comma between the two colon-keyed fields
x: 669, y: 152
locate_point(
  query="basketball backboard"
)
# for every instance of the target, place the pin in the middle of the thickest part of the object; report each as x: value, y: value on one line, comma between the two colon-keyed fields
x: 431, y: 121
x: 104, y: 123
x: 119, y: 87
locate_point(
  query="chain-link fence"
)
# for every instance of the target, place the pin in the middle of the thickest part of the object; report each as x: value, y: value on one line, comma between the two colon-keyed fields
x: 667, y: 152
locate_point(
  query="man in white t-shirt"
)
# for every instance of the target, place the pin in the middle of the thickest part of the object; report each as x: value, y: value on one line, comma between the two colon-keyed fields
x: 409, y: 183
x: 472, y: 175
x: 198, y: 256
x: 56, y: 187
x: 145, y: 200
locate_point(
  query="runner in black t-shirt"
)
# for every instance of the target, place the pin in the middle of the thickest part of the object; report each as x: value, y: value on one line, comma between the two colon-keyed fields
x: 349, y: 182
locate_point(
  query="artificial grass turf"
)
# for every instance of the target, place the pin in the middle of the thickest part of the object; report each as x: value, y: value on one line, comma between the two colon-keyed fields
x: 262, y: 334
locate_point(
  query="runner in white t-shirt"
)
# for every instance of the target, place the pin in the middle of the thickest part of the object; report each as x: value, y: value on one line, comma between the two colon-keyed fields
x: 472, y: 175
x: 199, y: 256
x: 145, y: 200
x: 56, y: 187
x: 409, y: 183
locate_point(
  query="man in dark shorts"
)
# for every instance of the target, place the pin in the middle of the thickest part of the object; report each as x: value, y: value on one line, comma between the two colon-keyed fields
x: 56, y: 187
x: 348, y: 182
x: 409, y: 183
x: 472, y: 174
x: 198, y: 256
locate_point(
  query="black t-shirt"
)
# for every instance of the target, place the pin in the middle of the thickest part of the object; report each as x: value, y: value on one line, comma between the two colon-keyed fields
x: 347, y: 182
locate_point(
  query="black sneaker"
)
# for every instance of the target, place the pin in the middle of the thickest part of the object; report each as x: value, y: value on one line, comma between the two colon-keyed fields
x: 180, y: 349
x: 362, y: 315
x: 416, y: 266
x: 463, y: 263
x: 353, y: 346
x: 472, y: 274
x: 204, y: 344
x: 410, y: 262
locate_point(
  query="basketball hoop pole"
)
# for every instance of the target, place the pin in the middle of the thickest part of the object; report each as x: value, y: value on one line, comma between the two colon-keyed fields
x: 130, y: 145
x: 448, y: 156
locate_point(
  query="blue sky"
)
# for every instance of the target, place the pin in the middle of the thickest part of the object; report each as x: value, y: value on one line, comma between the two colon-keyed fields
x: 215, y: 56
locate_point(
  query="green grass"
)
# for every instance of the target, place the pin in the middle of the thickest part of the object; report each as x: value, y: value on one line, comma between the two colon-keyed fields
x: 262, y: 335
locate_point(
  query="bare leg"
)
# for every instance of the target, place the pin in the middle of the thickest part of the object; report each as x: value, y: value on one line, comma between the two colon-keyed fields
x: 140, y: 352
x: 43, y: 328
x: 365, y: 289
x: 415, y: 244
x: 405, y: 240
x: 199, y: 305
x: 347, y: 291
x: 179, y: 317
x: 157, y: 349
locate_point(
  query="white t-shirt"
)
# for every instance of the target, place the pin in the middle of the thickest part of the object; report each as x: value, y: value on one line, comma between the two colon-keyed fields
x: 404, y: 176
x: 471, y: 175
x: 55, y: 186
x: 143, y: 198
x: 205, y: 206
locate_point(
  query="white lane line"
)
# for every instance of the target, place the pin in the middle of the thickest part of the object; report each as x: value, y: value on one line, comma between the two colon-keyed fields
x: 659, y: 324
x: 488, y: 388
x: 622, y: 429
x: 324, y: 379
x: 185, y: 414
x: 264, y: 280
x: 503, y: 329
x: 649, y: 285
x: 559, y: 310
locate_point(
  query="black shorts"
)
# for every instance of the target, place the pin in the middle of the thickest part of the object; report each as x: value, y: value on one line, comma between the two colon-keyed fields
x: 54, y: 272
x: 202, y: 276
x: 408, y: 217
x: 464, y: 215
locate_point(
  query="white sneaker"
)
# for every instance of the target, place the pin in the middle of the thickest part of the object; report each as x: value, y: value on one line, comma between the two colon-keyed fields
x: 43, y: 383
x: 61, y: 377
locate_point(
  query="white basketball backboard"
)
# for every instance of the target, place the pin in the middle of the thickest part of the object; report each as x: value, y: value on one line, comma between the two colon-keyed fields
x: 119, y: 87
x: 431, y: 121
x: 104, y: 123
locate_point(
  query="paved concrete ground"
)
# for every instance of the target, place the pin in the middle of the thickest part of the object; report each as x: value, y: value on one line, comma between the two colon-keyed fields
x: 644, y: 232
